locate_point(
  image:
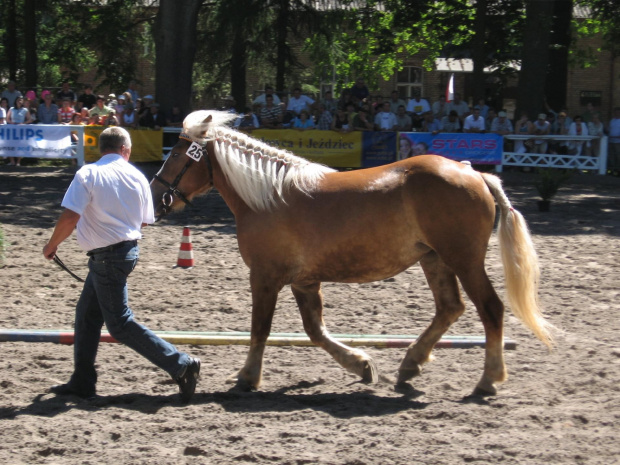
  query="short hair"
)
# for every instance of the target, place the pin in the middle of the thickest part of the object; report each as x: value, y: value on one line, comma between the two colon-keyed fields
x: 113, y: 138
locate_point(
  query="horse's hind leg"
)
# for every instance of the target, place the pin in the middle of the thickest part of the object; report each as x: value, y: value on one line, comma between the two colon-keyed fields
x: 264, y: 298
x: 310, y: 301
x: 449, y: 306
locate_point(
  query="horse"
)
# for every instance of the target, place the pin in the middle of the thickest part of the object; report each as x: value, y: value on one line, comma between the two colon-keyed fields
x: 301, y: 223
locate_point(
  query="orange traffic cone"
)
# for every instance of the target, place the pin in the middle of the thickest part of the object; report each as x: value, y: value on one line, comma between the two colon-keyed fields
x: 186, y: 255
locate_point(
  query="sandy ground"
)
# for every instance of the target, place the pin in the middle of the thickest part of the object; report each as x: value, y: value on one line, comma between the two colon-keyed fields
x: 561, y: 407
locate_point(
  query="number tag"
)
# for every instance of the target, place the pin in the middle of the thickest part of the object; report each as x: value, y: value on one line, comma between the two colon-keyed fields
x: 195, y: 151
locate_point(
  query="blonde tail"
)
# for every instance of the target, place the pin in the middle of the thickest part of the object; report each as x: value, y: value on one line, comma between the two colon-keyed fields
x: 520, y: 262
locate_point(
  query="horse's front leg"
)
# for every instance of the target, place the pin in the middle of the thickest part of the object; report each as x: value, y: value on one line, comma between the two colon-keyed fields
x: 310, y: 301
x: 264, y: 298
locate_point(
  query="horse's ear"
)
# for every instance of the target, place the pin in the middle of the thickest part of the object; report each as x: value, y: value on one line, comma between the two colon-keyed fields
x: 208, y: 119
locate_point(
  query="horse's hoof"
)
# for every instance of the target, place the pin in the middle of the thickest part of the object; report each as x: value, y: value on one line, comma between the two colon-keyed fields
x: 484, y: 392
x: 244, y: 385
x: 405, y: 375
x: 369, y: 372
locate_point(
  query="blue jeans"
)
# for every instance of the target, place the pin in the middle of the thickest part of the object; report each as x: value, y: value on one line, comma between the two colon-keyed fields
x: 104, y: 299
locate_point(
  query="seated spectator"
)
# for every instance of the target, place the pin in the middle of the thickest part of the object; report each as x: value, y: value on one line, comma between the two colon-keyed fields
x: 18, y: 115
x: 502, y: 125
x: 541, y: 127
x: 323, y: 118
x: 48, y: 111
x: 120, y: 104
x: 396, y: 102
x: 491, y: 115
x: 483, y: 107
x: 262, y: 99
x: 416, y: 107
x: 11, y: 93
x: 66, y: 92
x: 474, y: 122
x: 76, y: 120
x: 596, y: 128
x: 341, y: 121
x: 65, y: 113
x: 329, y: 102
x: 111, y: 102
x: 523, y: 126
x: 3, y: 110
x: 577, y: 128
x: 175, y: 117
x: 362, y: 120
x: 299, y: 102
x: 87, y: 99
x: 153, y: 119
x: 129, y: 118
x: 451, y: 123
x: 403, y: 120
x: 385, y: 120
x: 430, y: 123
x: 95, y: 120
x: 440, y: 108
x: 460, y: 106
x: 256, y: 108
x: 100, y: 109
x: 271, y: 114
x: 303, y: 121
x: 247, y: 121
x: 31, y: 105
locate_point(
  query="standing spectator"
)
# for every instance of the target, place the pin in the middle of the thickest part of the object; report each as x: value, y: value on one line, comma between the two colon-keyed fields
x: 111, y: 102
x: 360, y: 91
x: 65, y: 113
x: 596, y: 128
x: 502, y: 125
x: 577, y: 128
x: 66, y: 92
x: 100, y: 110
x: 120, y: 104
x: 396, y: 101
x: 613, y: 162
x: 541, y: 127
x: 430, y: 123
x: 108, y: 202
x: 330, y: 103
x: 303, y: 121
x: 451, y: 123
x: 175, y: 118
x: 323, y: 118
x: 299, y: 102
x: 271, y: 114
x: 362, y: 121
x: 132, y: 91
x: 385, y: 120
x: 87, y: 99
x: 458, y: 105
x: 440, y: 108
x: 483, y: 107
x: 262, y: 99
x: 523, y: 127
x: 48, y: 111
x: 153, y: 119
x: 31, y: 103
x: 403, y: 120
x: 128, y: 118
x: 416, y: 107
x: 18, y: 115
x: 474, y: 122
x: 11, y: 93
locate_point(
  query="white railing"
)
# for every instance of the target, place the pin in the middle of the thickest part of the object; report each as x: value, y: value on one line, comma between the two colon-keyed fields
x: 594, y: 162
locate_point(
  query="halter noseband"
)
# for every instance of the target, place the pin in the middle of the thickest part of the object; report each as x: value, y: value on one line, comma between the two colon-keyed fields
x: 173, y: 190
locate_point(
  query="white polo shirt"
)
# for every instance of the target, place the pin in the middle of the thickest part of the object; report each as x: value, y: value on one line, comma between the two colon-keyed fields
x: 113, y: 199
x: 472, y: 123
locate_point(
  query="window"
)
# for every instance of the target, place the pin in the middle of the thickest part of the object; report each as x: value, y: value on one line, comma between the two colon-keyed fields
x: 409, y: 82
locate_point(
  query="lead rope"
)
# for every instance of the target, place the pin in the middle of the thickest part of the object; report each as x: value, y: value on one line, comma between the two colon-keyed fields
x: 64, y: 267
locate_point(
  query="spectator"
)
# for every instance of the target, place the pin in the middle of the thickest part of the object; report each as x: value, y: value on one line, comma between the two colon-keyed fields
x: 76, y: 120
x: 4, y: 108
x: 323, y: 118
x: 87, y: 99
x: 31, y: 103
x: 451, y: 123
x: 247, y: 121
x: 586, y: 116
x: 120, y: 104
x: 299, y: 102
x: 175, y: 117
x: 11, y: 93
x: 132, y: 91
x: 141, y: 108
x: 362, y: 121
x: 66, y: 92
x: 458, y: 105
x: 541, y: 127
x: 148, y: 100
x: 271, y: 114
x: 153, y: 118
x: 95, y: 120
x: 65, y: 113
x: 385, y: 120
x: 303, y: 121
x: 48, y: 111
x: 560, y: 127
x: 112, y: 119
x: 491, y: 115
x: 229, y: 104
x: 577, y: 128
x: 129, y: 118
x: 440, y: 108
x: 523, y: 127
x: 111, y: 102
x: 18, y: 115
x: 330, y: 103
x: 416, y: 107
x: 341, y: 121
x: 100, y: 109
x: 613, y: 129
x: 395, y: 102
x: 262, y: 99
x: 345, y: 99
x: 403, y: 120
x: 430, y: 123
x: 360, y: 91
x: 483, y: 107
x: 596, y: 128
x: 502, y: 125
x: 474, y: 123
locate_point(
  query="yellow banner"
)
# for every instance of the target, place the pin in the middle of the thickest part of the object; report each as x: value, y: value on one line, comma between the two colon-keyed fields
x: 331, y: 148
x: 146, y: 144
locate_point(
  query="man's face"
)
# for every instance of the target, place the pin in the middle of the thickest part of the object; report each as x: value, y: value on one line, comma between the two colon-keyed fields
x: 48, y: 98
x: 269, y: 100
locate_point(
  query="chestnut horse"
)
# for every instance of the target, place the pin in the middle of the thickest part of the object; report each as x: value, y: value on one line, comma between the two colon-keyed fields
x: 301, y: 223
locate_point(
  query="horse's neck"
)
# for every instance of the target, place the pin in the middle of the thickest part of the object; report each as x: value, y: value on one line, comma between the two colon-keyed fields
x: 230, y: 196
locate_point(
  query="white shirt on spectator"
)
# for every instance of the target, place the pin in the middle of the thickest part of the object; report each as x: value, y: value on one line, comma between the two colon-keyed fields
x: 418, y: 106
x: 386, y: 120
x: 298, y: 104
x: 471, y: 123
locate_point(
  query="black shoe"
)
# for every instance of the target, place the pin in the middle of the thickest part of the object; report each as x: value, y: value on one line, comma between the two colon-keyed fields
x: 69, y: 390
x: 187, y: 381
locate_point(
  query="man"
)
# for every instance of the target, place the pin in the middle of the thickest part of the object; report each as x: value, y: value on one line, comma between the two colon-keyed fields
x: 396, y: 102
x: 131, y: 88
x: 613, y: 163
x: 474, y: 122
x: 66, y: 92
x: 502, y: 125
x: 416, y: 107
x: 430, y: 123
x: 153, y: 118
x: 10, y: 93
x: 87, y: 99
x: 403, y: 120
x: 440, y: 108
x: 385, y: 120
x: 109, y: 201
x: 360, y: 90
x: 262, y: 99
x: 270, y: 114
x: 458, y: 105
x: 100, y: 109
x: 48, y: 111
x: 451, y: 123
x: 299, y: 102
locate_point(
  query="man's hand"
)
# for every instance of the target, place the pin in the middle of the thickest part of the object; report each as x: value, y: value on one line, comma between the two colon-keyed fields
x: 64, y: 227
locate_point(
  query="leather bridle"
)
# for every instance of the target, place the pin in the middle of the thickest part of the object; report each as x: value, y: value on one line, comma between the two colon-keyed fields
x: 173, y: 190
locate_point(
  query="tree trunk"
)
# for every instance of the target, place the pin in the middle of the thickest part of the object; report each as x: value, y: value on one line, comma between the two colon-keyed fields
x: 479, y: 51
x: 556, y: 83
x: 30, y: 45
x: 11, y: 39
x: 282, y: 47
x: 536, y: 37
x: 175, y: 49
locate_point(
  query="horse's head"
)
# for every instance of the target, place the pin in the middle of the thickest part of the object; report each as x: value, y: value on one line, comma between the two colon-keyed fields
x: 185, y: 174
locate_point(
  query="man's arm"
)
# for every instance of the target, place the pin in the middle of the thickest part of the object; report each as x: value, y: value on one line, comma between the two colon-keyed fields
x: 64, y: 227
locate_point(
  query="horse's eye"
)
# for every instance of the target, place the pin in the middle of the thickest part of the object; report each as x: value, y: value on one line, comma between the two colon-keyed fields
x: 175, y: 154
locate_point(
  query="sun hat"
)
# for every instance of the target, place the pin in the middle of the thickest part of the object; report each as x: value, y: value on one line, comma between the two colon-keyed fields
x: 30, y: 95
x: 45, y: 93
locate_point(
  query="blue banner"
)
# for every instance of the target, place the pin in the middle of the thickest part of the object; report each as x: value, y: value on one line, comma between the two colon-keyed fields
x: 485, y: 149
x: 378, y: 148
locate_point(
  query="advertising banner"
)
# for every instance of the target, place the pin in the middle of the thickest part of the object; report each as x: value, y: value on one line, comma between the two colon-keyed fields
x: 146, y: 144
x: 35, y: 141
x: 379, y: 148
x: 477, y: 148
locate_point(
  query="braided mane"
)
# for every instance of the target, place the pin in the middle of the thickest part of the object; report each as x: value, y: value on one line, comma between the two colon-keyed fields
x: 262, y: 175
